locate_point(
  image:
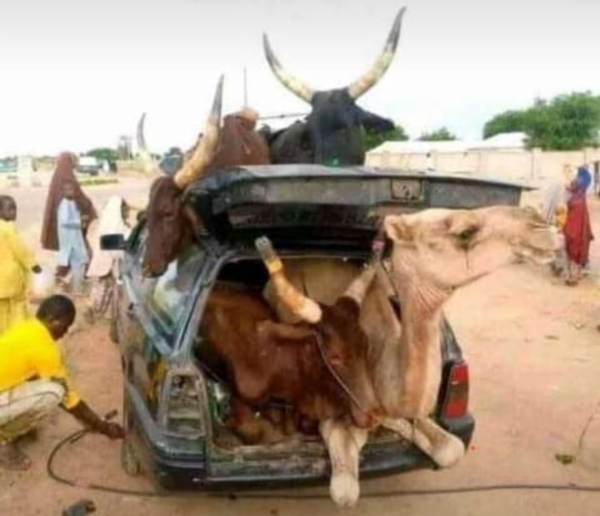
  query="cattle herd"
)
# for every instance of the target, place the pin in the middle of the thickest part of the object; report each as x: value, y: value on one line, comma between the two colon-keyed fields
x: 325, y: 336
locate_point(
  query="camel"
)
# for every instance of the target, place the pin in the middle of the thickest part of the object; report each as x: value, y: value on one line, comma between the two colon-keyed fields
x: 429, y: 255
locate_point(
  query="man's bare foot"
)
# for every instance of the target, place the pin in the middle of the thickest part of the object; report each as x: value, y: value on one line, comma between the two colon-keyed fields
x: 11, y: 457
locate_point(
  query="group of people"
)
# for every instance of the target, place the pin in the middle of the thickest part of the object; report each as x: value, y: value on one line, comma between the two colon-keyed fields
x: 566, y: 207
x: 33, y: 377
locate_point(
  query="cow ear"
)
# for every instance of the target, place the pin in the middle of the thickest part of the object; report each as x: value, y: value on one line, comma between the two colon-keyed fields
x: 349, y: 306
x: 397, y: 228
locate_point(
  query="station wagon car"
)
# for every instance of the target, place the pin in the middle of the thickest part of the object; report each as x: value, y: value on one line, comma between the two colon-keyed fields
x: 174, y: 405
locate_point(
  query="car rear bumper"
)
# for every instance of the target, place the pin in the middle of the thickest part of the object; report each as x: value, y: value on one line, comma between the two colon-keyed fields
x: 184, y: 465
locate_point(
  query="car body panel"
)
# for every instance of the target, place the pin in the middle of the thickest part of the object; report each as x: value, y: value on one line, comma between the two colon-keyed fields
x: 337, y: 203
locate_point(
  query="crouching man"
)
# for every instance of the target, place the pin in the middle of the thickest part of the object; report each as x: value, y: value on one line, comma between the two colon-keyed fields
x: 34, y: 381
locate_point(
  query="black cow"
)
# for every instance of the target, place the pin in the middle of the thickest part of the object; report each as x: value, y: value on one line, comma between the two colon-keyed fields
x: 331, y: 134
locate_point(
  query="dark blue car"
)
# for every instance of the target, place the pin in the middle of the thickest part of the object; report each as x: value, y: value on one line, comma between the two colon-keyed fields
x: 174, y: 407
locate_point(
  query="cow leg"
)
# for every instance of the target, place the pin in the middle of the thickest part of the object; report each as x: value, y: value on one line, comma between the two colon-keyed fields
x: 344, y: 442
x: 443, y: 447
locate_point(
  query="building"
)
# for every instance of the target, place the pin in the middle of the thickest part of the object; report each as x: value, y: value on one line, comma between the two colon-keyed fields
x: 502, y: 156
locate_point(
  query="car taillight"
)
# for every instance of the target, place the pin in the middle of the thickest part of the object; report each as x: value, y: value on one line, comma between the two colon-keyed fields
x: 456, y: 401
x: 183, y: 414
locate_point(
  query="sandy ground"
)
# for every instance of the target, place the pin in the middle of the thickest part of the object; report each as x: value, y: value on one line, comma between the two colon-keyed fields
x: 534, y: 355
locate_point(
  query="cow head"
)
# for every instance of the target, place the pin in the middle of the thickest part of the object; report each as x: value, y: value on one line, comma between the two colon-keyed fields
x: 333, y: 128
x: 168, y: 225
x: 343, y: 341
x: 434, y: 252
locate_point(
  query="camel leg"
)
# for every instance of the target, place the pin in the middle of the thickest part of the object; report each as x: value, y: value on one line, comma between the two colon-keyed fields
x: 344, y: 442
x: 443, y: 447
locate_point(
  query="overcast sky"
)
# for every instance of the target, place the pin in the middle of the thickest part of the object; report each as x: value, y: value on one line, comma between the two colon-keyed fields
x: 77, y: 74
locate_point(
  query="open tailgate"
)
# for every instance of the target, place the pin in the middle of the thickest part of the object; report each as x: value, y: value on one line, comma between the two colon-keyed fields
x: 305, y: 203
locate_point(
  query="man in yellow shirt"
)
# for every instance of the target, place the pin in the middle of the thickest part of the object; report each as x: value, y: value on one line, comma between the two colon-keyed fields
x: 34, y: 381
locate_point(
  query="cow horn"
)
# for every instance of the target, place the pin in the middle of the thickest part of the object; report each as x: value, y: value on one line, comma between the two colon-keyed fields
x: 149, y: 165
x: 359, y: 286
x: 292, y: 83
x: 369, y: 79
x: 195, y: 166
x: 300, y: 306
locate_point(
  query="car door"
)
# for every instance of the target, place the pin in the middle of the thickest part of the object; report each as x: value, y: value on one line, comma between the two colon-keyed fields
x: 142, y: 351
x: 151, y: 317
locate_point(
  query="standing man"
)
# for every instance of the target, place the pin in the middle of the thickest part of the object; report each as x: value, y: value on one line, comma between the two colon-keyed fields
x: 34, y: 380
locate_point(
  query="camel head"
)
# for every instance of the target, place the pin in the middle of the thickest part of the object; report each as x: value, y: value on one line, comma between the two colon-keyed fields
x: 441, y: 250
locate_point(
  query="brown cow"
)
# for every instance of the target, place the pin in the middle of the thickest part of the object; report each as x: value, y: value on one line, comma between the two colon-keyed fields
x: 318, y: 368
x: 171, y: 225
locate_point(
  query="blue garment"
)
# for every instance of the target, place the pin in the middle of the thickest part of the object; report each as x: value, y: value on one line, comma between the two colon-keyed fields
x: 71, y: 244
x: 171, y: 163
x: 583, y: 178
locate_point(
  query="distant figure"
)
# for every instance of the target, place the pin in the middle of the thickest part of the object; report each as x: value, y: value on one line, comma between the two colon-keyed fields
x: 63, y: 173
x: 73, y: 251
x: 578, y: 229
x: 17, y: 262
x: 113, y: 220
x: 172, y: 161
x: 554, y: 211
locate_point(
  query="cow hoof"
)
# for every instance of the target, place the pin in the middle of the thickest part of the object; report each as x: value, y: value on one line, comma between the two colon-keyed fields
x: 344, y: 490
x: 449, y: 452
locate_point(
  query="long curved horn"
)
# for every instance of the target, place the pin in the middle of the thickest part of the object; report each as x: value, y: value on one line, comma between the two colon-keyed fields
x: 194, y: 167
x: 292, y: 83
x: 357, y: 290
x: 149, y: 164
x: 369, y: 79
x: 301, y: 306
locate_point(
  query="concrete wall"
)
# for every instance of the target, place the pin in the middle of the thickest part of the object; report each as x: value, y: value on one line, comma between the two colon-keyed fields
x: 535, y: 165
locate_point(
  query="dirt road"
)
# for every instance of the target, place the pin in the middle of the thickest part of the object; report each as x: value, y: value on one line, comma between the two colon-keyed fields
x: 534, y: 355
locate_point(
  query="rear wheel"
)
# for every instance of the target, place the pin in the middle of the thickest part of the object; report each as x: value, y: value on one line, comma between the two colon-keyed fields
x: 113, y: 331
x: 129, y: 460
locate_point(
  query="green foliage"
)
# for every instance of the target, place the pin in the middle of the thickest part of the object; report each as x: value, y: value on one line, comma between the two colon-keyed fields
x: 103, y: 153
x: 507, y: 122
x: 566, y: 122
x: 439, y: 135
x: 372, y: 140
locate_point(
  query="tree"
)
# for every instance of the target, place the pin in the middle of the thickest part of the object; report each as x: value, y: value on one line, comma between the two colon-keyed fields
x: 507, y: 122
x: 372, y: 140
x: 103, y: 153
x: 566, y: 122
x: 441, y: 134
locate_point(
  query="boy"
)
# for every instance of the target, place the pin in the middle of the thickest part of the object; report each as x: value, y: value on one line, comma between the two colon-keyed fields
x: 16, y: 262
x: 73, y: 252
x: 33, y: 380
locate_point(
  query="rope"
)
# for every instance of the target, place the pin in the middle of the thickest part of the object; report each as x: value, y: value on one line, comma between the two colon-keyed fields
x: 338, y: 379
